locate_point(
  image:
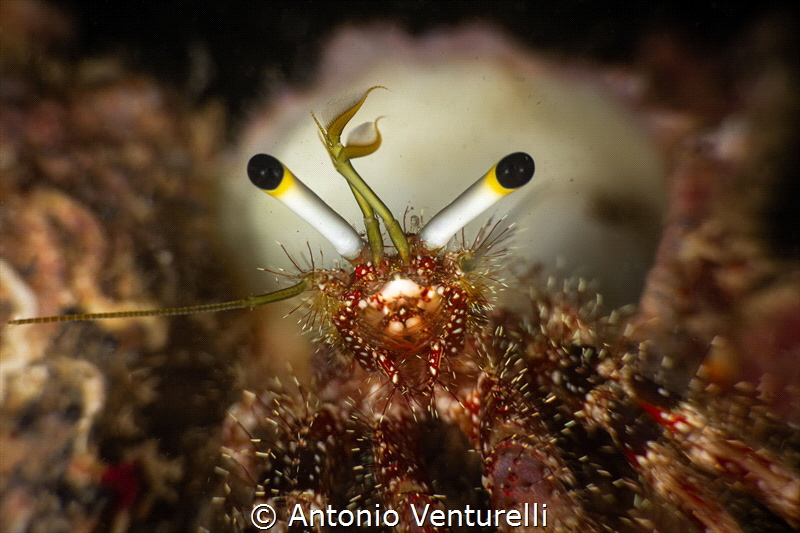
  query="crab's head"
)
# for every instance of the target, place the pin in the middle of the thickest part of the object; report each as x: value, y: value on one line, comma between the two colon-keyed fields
x: 405, y: 311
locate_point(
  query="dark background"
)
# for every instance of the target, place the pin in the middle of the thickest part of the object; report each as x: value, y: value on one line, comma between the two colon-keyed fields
x: 249, y: 48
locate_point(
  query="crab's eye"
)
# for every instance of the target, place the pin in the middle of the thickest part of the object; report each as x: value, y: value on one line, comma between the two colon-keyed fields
x: 272, y: 177
x: 265, y: 171
x: 508, y: 175
x: 514, y: 171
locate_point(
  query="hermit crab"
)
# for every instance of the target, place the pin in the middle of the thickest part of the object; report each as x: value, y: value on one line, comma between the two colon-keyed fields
x: 432, y: 410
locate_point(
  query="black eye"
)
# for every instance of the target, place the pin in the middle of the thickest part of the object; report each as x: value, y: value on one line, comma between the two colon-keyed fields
x: 515, y: 170
x: 265, y: 171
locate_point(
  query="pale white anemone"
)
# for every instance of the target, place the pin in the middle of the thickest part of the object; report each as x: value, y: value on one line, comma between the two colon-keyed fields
x: 457, y: 102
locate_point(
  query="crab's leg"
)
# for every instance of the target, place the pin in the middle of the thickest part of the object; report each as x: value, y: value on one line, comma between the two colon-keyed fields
x: 533, y: 383
x: 523, y: 469
x: 283, y: 448
x: 386, y: 364
x: 757, y: 470
x: 661, y: 459
x: 450, y: 342
x: 400, y: 478
x: 692, y: 428
x: 368, y: 356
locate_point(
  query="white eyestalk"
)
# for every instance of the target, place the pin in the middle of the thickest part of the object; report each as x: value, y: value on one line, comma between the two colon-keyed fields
x: 272, y: 177
x: 508, y: 175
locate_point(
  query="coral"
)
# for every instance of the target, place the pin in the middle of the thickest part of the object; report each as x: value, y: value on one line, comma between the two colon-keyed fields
x: 104, y: 180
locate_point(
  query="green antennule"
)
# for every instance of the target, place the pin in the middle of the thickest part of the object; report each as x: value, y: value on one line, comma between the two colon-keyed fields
x: 367, y: 200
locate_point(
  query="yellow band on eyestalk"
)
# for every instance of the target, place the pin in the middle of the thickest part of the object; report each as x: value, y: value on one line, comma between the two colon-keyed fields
x: 286, y: 183
x: 272, y: 177
x: 508, y: 175
x: 491, y: 181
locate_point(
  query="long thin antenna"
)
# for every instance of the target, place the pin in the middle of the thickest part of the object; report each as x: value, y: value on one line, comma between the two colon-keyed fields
x: 244, y: 303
